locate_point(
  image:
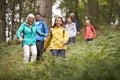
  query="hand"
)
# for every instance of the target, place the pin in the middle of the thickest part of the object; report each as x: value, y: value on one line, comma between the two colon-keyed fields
x: 44, y: 49
x: 78, y: 33
x: 45, y: 35
x: 45, y: 38
x: 20, y: 39
x: 64, y: 42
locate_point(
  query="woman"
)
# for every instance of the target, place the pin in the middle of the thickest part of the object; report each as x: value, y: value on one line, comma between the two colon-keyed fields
x: 71, y: 28
x: 28, y: 40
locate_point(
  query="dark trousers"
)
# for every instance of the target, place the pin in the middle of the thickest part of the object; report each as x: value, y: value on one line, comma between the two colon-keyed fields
x: 71, y: 40
x: 59, y: 52
x: 89, y: 39
x: 40, y: 45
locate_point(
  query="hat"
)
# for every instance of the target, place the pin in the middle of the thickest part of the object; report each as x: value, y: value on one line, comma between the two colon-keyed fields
x: 72, y: 14
x: 29, y: 15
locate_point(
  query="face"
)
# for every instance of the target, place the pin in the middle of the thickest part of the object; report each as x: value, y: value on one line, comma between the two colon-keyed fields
x: 58, y: 22
x: 69, y: 20
x: 37, y: 17
x: 30, y: 20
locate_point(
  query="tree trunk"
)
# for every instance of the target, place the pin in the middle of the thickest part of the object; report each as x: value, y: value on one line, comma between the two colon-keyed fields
x: 12, y: 20
x: 46, y: 11
x: 2, y: 20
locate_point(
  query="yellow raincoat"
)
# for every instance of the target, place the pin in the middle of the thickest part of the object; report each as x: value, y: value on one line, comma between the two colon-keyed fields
x: 56, y: 39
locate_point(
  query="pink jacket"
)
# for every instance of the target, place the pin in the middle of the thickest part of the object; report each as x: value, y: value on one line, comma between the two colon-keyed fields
x: 89, y: 31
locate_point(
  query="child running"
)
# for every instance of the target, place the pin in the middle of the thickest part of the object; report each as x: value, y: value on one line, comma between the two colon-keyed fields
x: 59, y: 38
x: 89, y: 32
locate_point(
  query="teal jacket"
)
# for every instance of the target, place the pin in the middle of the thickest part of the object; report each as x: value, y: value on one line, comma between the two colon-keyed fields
x: 28, y: 33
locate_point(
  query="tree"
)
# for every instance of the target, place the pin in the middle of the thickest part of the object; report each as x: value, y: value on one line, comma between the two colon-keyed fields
x: 2, y: 20
x: 45, y: 8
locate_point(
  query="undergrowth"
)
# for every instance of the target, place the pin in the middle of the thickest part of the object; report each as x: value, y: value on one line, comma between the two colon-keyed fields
x: 95, y: 60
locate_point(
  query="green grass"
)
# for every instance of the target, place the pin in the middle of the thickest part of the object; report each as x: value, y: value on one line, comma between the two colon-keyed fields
x: 96, y: 60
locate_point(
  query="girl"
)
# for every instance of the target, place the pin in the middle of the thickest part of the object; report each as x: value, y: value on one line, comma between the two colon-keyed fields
x: 28, y: 40
x: 59, y: 38
x: 89, y: 32
x: 71, y: 28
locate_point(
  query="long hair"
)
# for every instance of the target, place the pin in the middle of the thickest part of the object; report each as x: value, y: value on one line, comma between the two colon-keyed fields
x: 61, y: 24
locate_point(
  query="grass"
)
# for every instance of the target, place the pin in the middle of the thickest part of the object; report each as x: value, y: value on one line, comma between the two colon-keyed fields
x: 96, y: 60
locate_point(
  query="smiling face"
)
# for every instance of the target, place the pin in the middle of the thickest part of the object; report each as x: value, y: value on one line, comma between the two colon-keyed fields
x: 58, y: 22
x: 30, y: 20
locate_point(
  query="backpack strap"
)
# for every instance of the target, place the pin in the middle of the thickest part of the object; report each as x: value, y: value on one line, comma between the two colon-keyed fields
x: 43, y: 28
x: 63, y: 32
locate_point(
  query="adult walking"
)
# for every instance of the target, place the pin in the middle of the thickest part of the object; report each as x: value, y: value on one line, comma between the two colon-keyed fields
x: 72, y: 16
x: 29, y: 30
x: 41, y: 25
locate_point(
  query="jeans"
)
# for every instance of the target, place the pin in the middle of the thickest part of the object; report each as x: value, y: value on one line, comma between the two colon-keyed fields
x: 40, y: 45
x: 27, y: 50
x: 59, y: 52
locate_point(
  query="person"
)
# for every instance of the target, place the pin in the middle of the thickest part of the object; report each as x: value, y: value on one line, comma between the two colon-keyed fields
x: 59, y: 38
x: 72, y: 16
x: 71, y: 28
x: 40, y: 39
x: 89, y: 32
x: 29, y: 29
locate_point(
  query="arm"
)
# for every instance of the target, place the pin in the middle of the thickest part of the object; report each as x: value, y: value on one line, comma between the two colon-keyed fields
x: 77, y: 26
x: 75, y: 30
x: 19, y: 31
x: 48, y: 40
x: 40, y: 33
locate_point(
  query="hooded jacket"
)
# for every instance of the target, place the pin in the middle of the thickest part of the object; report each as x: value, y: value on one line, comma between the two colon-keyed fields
x: 28, y: 33
x: 89, y: 31
x: 58, y: 36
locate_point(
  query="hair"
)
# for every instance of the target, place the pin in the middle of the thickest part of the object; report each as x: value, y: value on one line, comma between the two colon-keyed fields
x: 87, y: 21
x: 61, y: 24
x: 37, y: 13
x: 29, y: 15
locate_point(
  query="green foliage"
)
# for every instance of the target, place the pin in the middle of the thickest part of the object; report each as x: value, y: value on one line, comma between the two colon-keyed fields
x: 96, y: 60
x: 99, y: 11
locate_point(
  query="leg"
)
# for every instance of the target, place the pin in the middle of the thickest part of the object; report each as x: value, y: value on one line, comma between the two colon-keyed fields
x: 62, y: 52
x: 33, y: 53
x: 39, y: 45
x: 26, y: 49
x: 73, y: 40
x: 54, y: 52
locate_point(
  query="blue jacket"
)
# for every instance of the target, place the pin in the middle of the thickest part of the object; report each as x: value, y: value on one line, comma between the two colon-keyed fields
x: 77, y: 25
x: 28, y: 33
x: 42, y: 28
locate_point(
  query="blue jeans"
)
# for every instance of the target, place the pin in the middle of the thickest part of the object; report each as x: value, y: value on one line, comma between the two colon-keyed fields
x: 58, y: 52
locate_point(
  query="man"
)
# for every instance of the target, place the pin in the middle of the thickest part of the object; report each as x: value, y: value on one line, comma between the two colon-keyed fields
x: 72, y: 16
x: 39, y: 39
